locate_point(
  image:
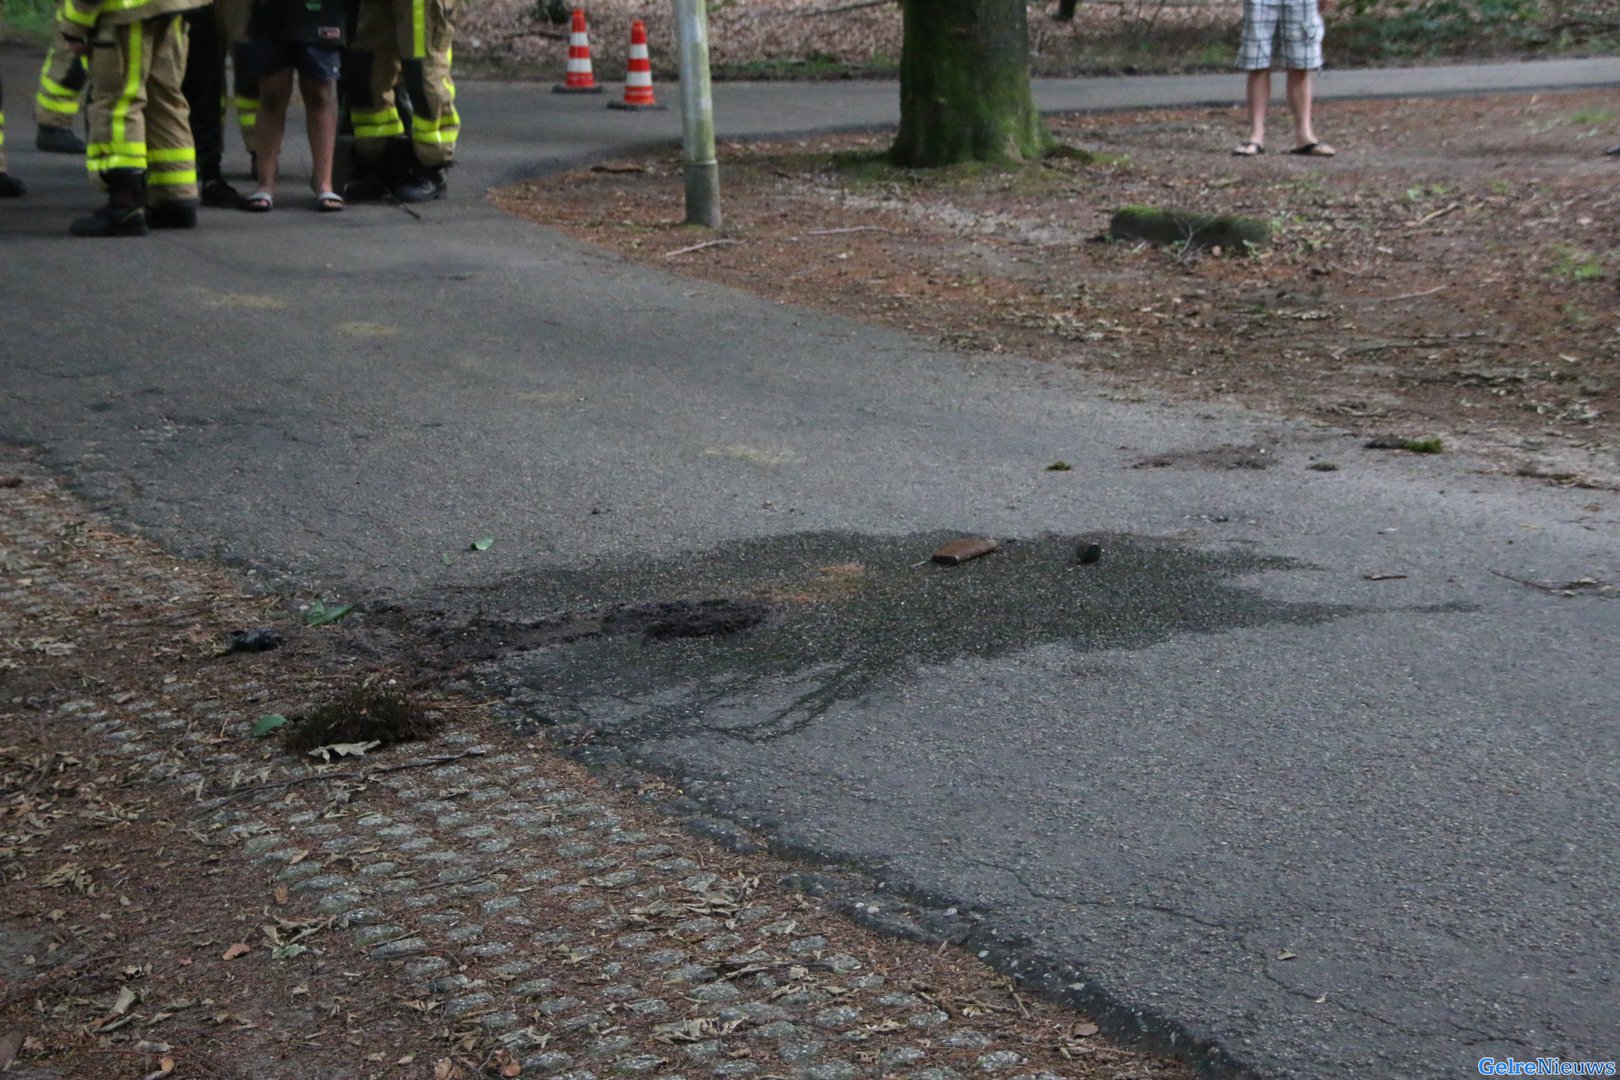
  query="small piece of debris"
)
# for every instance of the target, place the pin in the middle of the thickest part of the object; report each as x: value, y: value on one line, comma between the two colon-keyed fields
x: 1059, y: 466
x: 1413, y: 446
x: 11, y: 481
x: 1088, y: 553
x: 960, y: 551
x: 260, y: 640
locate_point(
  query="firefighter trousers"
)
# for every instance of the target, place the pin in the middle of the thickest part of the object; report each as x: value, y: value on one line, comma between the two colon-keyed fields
x: 61, y: 85
x: 215, y: 33
x: 410, y: 39
x: 138, y: 115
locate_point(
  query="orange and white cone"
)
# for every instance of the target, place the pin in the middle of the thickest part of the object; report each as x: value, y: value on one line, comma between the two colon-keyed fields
x: 579, y: 78
x: 638, y: 91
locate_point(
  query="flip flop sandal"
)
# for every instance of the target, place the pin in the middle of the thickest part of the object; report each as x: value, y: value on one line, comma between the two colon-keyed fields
x: 1249, y: 149
x: 328, y: 202
x: 260, y: 202
x: 1314, y: 149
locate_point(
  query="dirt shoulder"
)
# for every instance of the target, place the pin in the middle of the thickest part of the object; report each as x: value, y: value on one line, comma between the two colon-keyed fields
x: 181, y: 899
x: 1451, y: 275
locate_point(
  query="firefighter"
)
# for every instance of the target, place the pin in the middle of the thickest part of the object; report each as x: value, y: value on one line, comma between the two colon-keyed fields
x: 140, y: 145
x: 10, y: 186
x: 56, y: 104
x: 409, y: 41
x: 215, y: 33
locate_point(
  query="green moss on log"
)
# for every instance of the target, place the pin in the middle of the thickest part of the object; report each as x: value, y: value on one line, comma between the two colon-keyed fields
x: 1229, y: 232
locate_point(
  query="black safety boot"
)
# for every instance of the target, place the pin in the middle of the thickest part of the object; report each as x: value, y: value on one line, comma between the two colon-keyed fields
x: 11, y: 187
x: 217, y: 191
x: 58, y: 140
x: 178, y: 214
x: 125, y: 212
x: 428, y: 185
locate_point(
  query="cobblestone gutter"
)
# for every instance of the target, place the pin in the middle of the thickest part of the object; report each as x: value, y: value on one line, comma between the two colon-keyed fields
x: 181, y: 899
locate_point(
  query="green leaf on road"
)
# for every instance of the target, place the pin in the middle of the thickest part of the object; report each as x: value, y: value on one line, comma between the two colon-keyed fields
x: 267, y: 724
x: 287, y: 952
x: 483, y: 543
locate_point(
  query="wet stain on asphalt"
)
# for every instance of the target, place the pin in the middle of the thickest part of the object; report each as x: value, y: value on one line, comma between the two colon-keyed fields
x: 757, y: 639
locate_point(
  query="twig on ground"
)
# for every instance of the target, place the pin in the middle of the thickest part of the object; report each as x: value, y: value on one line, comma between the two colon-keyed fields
x: 1426, y: 218
x: 698, y: 247
x: 1404, y: 296
x: 849, y: 229
x: 350, y: 774
x: 841, y: 8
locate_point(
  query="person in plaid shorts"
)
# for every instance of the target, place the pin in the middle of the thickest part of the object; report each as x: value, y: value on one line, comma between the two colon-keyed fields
x: 1297, y: 26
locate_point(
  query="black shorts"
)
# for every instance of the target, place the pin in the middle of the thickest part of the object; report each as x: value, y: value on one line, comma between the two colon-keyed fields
x: 318, y: 63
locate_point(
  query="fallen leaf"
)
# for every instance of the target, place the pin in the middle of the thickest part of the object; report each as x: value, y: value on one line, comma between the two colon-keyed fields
x: 166, y: 1065
x: 512, y: 1069
x: 345, y: 749
x: 239, y: 949
x: 126, y: 998
x: 10, y: 1043
x: 443, y: 1069
x: 483, y: 543
x: 1284, y: 954
x: 1085, y: 1030
x: 281, y: 894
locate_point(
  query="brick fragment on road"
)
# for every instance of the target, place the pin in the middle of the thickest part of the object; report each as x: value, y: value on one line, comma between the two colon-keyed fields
x: 960, y: 551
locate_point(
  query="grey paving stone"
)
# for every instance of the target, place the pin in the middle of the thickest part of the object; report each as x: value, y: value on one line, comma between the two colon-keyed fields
x: 899, y: 1000
x: 843, y: 963
x: 461, y: 1006
x: 499, y: 904
x: 840, y: 1016
x: 636, y: 1065
x: 867, y: 982
x: 1000, y: 1061
x: 929, y: 1019
x: 460, y: 935
x: 734, y: 1069
x: 619, y: 992
x: 513, y: 969
x: 477, y: 832
x: 610, y: 1046
x: 499, y: 1021
x: 828, y: 1070
x: 778, y: 1029
x: 534, y: 988
x: 337, y: 903
x: 693, y: 973
x: 368, y: 936
x: 549, y: 1061
x: 936, y: 1074
x: 494, y: 846
x: 378, y: 869
x: 966, y: 1039
x: 647, y: 1007
x: 554, y: 1006
x: 616, y: 880
x: 799, y: 1051
x: 715, y: 992
x: 636, y: 941
x: 703, y: 1051
x: 426, y: 966
x: 900, y: 1057
x: 807, y: 945
x: 487, y: 951
x: 260, y: 845
x: 450, y: 984
x: 393, y: 950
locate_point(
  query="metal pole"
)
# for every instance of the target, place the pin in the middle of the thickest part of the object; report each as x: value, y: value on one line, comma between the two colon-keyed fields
x: 698, y: 164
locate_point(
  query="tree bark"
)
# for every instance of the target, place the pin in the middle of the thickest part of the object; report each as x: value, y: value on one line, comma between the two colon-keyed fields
x: 964, y: 85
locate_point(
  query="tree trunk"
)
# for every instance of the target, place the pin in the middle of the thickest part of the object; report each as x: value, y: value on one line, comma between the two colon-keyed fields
x: 964, y: 84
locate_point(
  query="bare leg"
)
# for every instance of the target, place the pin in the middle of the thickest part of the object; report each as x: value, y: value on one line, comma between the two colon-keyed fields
x: 1299, y: 101
x: 1259, y: 97
x: 320, y: 118
x: 275, y: 91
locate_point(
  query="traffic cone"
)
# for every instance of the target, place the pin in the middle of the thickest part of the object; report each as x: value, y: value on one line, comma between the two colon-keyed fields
x: 638, y: 91
x: 579, y: 78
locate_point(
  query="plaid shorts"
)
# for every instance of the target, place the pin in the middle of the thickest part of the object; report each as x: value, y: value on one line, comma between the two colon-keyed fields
x: 1296, y: 22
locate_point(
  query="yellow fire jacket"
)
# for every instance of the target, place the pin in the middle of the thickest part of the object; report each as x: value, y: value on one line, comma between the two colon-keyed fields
x: 78, y: 18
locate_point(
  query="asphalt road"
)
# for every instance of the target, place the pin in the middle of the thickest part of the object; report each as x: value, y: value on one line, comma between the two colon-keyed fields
x: 1292, y: 774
